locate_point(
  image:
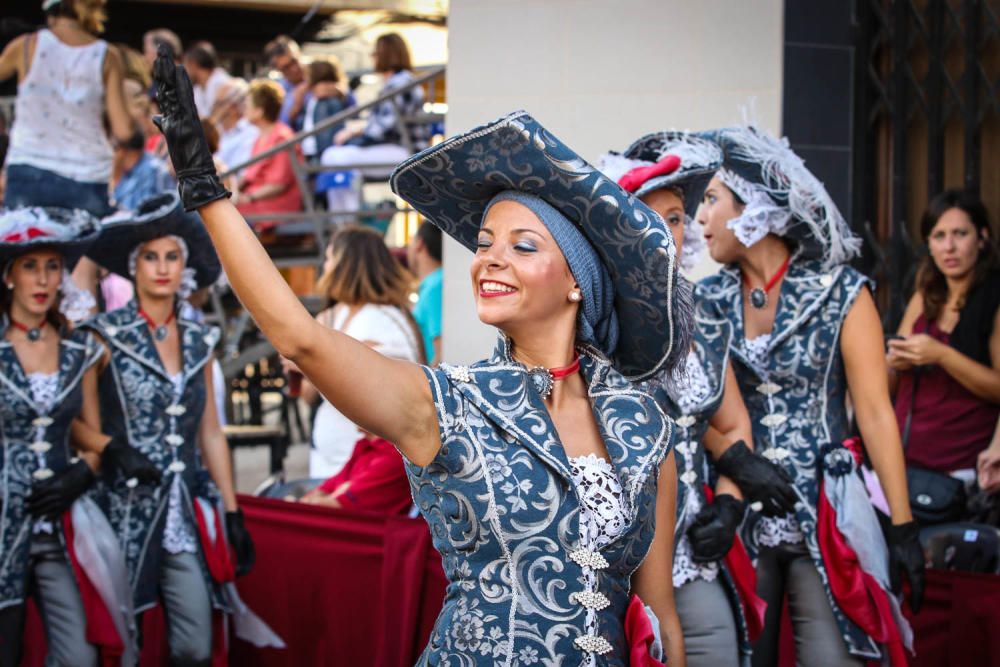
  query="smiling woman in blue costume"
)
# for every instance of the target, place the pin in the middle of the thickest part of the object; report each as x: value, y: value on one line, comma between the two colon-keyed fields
x: 51, y: 534
x: 712, y: 575
x: 536, y: 469
x: 156, y: 396
x: 805, y: 332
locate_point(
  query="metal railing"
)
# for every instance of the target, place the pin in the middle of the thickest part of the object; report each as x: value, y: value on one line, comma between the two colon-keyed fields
x: 303, y: 171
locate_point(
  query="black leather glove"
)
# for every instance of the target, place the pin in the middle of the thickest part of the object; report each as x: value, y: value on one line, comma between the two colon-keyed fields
x: 760, y: 480
x: 197, y: 181
x: 130, y: 462
x: 53, y: 496
x: 240, y: 541
x: 714, y: 528
x: 906, y: 558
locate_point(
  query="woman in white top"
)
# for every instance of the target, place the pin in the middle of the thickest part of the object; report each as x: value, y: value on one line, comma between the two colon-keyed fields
x: 371, y: 292
x: 60, y: 153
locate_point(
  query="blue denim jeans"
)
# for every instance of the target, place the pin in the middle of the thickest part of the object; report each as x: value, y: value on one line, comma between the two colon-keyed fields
x: 31, y: 186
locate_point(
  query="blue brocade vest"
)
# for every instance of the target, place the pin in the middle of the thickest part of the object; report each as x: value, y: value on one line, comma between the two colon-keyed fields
x: 798, y: 405
x: 711, y: 343
x: 505, y: 516
x: 138, y: 402
x: 35, y: 444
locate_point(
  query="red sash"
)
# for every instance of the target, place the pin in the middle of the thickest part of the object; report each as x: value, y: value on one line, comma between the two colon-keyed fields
x: 101, y: 631
x: 639, y: 635
x: 744, y: 576
x: 220, y: 567
x: 857, y: 593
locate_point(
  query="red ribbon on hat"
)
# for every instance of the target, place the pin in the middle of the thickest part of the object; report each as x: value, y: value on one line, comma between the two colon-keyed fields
x: 29, y: 234
x: 634, y: 178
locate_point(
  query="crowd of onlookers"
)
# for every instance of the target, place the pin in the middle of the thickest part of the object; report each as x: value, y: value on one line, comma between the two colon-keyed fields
x: 83, y: 136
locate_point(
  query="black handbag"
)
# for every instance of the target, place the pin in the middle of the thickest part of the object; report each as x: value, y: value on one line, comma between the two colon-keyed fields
x: 934, y: 497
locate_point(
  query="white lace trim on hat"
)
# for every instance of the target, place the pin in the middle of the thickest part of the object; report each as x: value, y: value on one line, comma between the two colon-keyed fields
x: 761, y: 215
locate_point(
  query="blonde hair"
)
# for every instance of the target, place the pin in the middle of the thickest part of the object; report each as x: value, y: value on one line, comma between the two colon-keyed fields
x: 364, y: 271
x: 90, y: 13
x: 267, y: 96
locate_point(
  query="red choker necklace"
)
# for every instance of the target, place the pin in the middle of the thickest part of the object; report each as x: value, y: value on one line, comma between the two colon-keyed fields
x: 33, y: 333
x: 159, y: 332
x: 544, y: 379
x: 758, y: 296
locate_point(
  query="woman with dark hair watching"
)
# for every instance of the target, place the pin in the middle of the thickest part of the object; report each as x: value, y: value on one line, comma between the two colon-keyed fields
x: 945, y: 362
x: 379, y: 142
x: 329, y: 96
x: 268, y: 186
x: 369, y: 292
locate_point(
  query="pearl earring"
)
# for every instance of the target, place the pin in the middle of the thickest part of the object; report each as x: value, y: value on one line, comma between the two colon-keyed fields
x: 10, y: 286
x: 575, y: 295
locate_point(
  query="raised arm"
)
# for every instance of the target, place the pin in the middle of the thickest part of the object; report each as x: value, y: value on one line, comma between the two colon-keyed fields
x: 387, y: 397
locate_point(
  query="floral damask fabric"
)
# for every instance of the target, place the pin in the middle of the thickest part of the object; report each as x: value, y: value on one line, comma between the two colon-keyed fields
x: 690, y: 396
x: 160, y: 418
x: 796, y: 400
x: 503, y: 511
x: 34, y: 431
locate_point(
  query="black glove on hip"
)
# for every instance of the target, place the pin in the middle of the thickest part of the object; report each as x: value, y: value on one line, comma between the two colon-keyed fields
x: 197, y: 181
x: 240, y: 541
x: 53, y: 496
x: 906, y: 558
x: 714, y: 528
x: 760, y: 480
x: 130, y: 462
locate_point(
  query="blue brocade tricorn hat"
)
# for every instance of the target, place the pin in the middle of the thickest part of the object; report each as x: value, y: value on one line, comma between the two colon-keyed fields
x: 699, y: 158
x: 452, y: 184
x: 70, y: 232
x: 159, y: 216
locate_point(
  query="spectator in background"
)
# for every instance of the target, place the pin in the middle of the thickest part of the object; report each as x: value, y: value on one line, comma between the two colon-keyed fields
x: 284, y: 55
x: 207, y: 77
x: 372, y: 480
x: 237, y: 135
x: 371, y: 291
x: 380, y: 141
x: 423, y: 256
x: 268, y: 186
x: 60, y: 153
x: 138, y: 175
x: 946, y: 365
x: 152, y: 39
x: 135, y: 66
x: 328, y: 96
x: 212, y: 139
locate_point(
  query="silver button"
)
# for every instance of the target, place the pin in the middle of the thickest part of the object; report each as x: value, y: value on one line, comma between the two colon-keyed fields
x: 687, y: 421
x: 112, y: 331
x: 768, y: 388
x: 591, y: 600
x: 42, y: 473
x: 591, y: 559
x: 772, y: 421
x: 177, y: 466
x: 41, y: 422
x: 689, y: 478
x: 776, y: 454
x: 826, y: 280
x: 176, y: 410
x: 174, y: 440
x: 592, y: 644
x: 40, y: 447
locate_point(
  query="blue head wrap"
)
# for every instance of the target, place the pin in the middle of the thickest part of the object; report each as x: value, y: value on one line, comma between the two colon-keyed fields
x: 598, y: 321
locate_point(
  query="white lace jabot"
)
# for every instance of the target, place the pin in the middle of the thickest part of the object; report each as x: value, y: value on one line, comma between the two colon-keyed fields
x: 602, y: 501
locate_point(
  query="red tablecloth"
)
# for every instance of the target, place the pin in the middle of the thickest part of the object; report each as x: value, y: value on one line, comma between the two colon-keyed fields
x: 339, y: 588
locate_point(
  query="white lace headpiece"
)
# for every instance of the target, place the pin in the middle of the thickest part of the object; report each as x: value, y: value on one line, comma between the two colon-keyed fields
x: 787, y: 199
